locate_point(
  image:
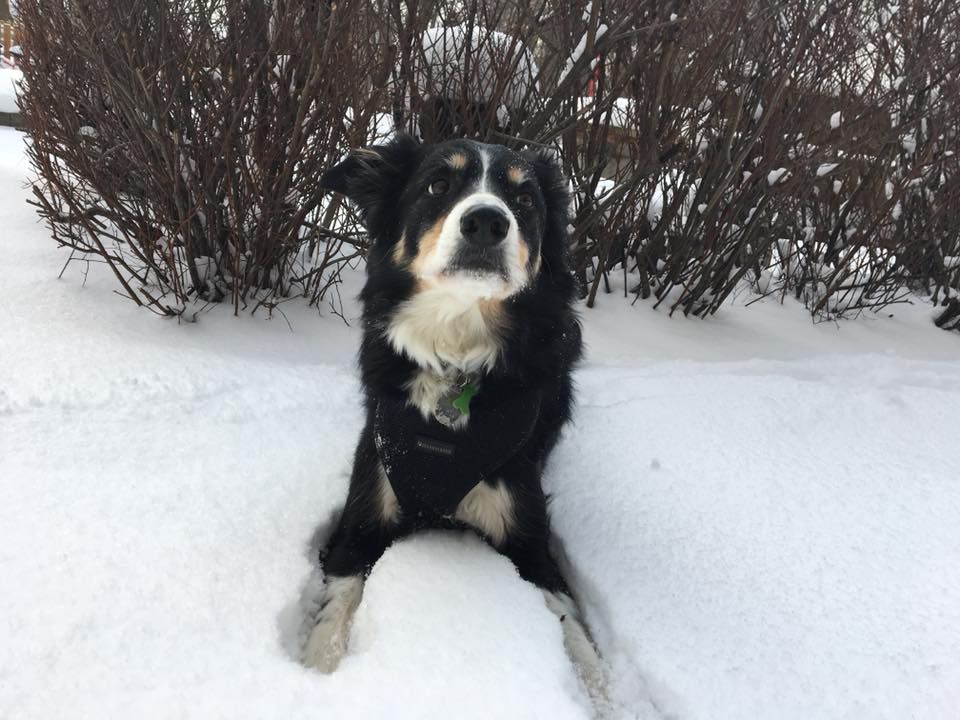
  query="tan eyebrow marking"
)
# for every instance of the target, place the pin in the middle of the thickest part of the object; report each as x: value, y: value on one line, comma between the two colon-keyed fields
x: 516, y: 175
x: 458, y: 161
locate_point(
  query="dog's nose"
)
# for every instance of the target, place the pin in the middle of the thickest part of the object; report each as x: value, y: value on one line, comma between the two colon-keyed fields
x: 484, y: 225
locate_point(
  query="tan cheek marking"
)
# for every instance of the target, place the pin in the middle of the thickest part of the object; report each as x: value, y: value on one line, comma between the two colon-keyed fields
x: 400, y: 249
x: 535, y: 270
x: 529, y: 265
x: 516, y: 175
x: 494, y: 314
x: 523, y: 253
x: 458, y: 161
x: 426, y: 246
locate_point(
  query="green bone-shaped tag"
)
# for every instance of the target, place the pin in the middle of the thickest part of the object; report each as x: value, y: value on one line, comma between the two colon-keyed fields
x: 462, y: 401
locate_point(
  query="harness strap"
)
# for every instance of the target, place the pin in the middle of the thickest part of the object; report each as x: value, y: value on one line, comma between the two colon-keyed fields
x: 432, y: 467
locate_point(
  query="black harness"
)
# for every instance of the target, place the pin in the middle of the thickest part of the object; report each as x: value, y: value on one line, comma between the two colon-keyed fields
x: 432, y: 467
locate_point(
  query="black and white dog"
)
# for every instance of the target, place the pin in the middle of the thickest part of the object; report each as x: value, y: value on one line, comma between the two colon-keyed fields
x: 469, y: 341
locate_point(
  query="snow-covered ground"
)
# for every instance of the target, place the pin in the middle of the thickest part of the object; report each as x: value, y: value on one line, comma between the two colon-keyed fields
x: 760, y: 515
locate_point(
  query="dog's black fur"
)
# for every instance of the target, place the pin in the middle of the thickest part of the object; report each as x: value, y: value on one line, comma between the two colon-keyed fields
x: 540, y: 341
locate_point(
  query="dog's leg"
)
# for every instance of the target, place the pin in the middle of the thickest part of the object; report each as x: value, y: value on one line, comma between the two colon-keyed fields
x: 369, y: 523
x: 352, y: 551
x: 539, y: 567
x: 578, y: 643
x: 528, y: 547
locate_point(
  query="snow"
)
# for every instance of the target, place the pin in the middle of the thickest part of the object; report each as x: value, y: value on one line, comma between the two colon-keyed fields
x: 580, y: 48
x: 765, y: 581
x: 835, y: 120
x: 826, y: 169
x: 9, y: 82
x: 663, y: 194
x: 574, y: 57
x: 397, y: 592
x: 775, y: 176
x: 623, y: 111
x: 769, y: 532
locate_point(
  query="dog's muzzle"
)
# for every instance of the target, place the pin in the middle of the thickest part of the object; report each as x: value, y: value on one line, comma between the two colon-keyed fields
x: 483, y: 229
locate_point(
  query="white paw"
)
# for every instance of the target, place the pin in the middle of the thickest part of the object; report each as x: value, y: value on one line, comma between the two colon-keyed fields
x: 326, y: 646
x: 580, y: 648
x: 586, y: 659
x: 327, y: 643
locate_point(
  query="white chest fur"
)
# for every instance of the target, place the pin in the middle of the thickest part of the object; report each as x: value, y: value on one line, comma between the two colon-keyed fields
x: 448, y: 325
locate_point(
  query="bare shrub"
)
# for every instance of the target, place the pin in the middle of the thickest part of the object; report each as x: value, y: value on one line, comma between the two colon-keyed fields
x: 803, y: 148
x: 773, y: 146
x: 799, y: 148
x: 181, y: 142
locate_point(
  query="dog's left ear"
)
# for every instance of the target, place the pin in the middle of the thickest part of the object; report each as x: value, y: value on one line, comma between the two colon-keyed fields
x: 556, y: 194
x: 374, y: 178
x: 552, y: 183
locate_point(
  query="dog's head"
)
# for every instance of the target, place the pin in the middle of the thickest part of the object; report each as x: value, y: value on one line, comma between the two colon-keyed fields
x: 481, y: 216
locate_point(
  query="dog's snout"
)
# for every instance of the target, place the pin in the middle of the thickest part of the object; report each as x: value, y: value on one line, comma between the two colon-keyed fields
x: 484, y: 225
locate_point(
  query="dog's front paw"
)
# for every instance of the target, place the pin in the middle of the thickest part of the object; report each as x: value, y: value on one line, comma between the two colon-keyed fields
x: 579, y: 646
x: 327, y: 643
x: 326, y: 646
x: 586, y: 660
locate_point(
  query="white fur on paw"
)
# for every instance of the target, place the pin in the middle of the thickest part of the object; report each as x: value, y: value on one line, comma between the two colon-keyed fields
x: 326, y: 647
x: 580, y: 648
x: 327, y: 643
x: 585, y: 658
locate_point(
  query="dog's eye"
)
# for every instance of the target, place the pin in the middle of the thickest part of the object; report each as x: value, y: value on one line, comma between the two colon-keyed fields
x: 439, y: 187
x: 525, y: 199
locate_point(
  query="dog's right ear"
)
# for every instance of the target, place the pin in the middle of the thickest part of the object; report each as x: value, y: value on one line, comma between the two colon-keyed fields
x: 374, y: 178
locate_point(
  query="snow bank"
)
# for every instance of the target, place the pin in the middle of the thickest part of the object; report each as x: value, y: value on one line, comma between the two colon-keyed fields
x: 784, y: 537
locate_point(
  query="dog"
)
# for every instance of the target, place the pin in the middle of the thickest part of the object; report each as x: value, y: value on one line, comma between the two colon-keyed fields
x: 469, y: 340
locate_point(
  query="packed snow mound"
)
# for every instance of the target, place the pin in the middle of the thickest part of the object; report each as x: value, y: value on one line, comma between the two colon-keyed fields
x: 10, y: 80
x: 444, y: 70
